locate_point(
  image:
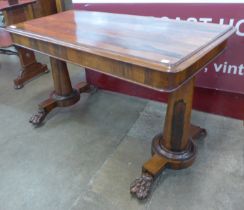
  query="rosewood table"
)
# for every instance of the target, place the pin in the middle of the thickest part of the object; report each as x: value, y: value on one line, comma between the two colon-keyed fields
x: 13, y: 14
x: 161, y: 54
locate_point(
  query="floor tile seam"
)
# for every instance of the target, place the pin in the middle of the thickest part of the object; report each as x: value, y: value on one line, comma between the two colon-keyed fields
x: 86, y: 189
x: 142, y: 113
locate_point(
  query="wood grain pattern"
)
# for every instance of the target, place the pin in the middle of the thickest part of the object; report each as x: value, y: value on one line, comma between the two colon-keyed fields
x: 4, y: 4
x: 14, y: 15
x: 166, y: 43
x: 60, y: 5
x: 149, y: 51
x: 44, y: 8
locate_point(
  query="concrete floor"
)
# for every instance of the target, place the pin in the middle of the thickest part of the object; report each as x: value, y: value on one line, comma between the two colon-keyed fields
x: 86, y: 156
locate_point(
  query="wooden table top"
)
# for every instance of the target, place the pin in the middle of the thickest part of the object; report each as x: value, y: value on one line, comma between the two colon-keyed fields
x: 5, y: 5
x: 147, y: 41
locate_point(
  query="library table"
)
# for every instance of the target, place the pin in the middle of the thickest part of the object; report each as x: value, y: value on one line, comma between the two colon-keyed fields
x: 13, y: 14
x: 161, y: 54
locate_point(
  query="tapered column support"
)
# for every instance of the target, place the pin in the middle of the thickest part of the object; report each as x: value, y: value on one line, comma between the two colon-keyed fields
x: 62, y: 96
x: 174, y: 147
x: 177, y: 122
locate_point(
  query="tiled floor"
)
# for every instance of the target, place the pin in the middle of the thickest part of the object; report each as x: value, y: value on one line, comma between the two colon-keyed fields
x: 86, y: 156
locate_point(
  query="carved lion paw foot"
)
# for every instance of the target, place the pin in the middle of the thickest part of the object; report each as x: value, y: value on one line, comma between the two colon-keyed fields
x: 141, y: 187
x: 38, y: 117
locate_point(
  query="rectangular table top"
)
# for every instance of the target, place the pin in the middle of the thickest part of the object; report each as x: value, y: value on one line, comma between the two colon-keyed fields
x: 148, y: 41
x: 5, y: 5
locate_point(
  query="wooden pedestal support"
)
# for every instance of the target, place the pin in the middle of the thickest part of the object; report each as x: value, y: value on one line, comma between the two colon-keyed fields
x: 175, y: 147
x: 30, y: 67
x: 63, y: 95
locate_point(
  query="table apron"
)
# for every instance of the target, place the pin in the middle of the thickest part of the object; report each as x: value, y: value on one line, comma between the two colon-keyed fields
x: 150, y: 78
